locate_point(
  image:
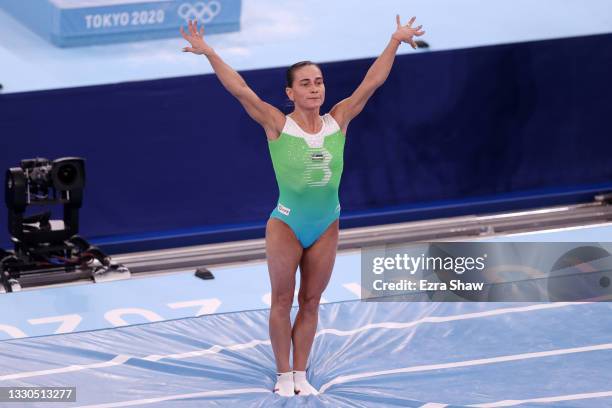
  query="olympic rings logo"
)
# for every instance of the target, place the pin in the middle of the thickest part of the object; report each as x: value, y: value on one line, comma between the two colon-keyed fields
x: 201, y: 11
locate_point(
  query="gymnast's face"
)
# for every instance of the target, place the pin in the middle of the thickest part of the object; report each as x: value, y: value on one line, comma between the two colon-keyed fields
x: 307, y: 90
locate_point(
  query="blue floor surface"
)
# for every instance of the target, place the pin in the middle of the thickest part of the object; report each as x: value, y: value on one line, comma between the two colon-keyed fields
x: 365, y: 355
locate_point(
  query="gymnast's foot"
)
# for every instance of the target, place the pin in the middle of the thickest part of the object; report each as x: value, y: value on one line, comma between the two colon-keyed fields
x: 301, y: 384
x: 284, y: 384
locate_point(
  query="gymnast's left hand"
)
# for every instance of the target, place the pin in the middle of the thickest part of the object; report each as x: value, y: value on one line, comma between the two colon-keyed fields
x: 406, y: 33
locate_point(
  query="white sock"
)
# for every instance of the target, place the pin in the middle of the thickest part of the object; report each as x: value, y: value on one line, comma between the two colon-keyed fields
x: 284, y: 384
x: 301, y: 384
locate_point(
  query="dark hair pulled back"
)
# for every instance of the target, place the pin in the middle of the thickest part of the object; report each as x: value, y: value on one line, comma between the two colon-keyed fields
x: 291, y: 70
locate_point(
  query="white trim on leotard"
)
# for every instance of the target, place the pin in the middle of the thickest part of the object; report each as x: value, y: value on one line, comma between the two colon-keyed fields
x: 330, y: 126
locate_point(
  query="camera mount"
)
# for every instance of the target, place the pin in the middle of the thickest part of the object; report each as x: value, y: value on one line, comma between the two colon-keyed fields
x: 45, y: 254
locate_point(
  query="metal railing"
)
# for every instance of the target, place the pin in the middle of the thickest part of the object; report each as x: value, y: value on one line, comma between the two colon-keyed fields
x: 456, y: 228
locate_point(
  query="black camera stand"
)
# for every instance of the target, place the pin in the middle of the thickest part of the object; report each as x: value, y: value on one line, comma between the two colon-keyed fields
x: 44, y: 255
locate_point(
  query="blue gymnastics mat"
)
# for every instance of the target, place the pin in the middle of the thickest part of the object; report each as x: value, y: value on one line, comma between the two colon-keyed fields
x: 428, y: 355
x: 69, y: 23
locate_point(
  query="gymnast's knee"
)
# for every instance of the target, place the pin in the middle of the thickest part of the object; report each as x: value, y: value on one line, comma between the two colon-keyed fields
x: 309, y: 304
x: 282, y: 302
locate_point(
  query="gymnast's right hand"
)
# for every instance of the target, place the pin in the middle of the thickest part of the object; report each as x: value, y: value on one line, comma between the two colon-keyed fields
x: 196, y: 39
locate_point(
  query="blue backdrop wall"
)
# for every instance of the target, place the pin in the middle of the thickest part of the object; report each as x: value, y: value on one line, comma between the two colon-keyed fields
x: 451, y: 132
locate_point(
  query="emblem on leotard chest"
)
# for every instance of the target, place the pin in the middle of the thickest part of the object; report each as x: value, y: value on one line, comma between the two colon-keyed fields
x: 317, y: 156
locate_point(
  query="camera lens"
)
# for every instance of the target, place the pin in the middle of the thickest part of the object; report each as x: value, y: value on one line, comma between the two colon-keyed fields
x: 40, y: 175
x: 67, y: 174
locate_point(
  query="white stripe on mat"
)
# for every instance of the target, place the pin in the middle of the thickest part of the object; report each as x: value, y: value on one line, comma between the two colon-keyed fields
x: 444, y: 319
x: 510, y: 403
x: 571, y: 397
x: 121, y: 359
x: 466, y: 363
x: 117, y: 360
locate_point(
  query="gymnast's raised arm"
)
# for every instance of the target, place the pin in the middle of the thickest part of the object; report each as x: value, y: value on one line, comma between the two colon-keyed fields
x: 269, y: 117
x: 347, y: 109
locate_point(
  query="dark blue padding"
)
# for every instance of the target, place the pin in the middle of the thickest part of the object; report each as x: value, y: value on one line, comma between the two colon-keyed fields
x: 528, y: 121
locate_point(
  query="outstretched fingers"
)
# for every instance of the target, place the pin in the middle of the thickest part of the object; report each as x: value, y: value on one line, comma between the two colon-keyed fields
x: 406, y: 33
x: 193, y: 27
x: 192, y: 30
x: 418, y: 32
x: 195, y: 31
x: 183, y: 33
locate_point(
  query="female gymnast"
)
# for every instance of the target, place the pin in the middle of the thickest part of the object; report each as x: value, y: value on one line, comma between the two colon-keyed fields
x: 307, y: 156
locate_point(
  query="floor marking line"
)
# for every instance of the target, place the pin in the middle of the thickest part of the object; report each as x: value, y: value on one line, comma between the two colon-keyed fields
x: 467, y: 363
x: 443, y: 319
x: 569, y: 397
x: 117, y: 360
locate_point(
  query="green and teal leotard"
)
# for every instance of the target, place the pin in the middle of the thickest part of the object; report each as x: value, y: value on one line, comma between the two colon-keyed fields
x: 308, y: 169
